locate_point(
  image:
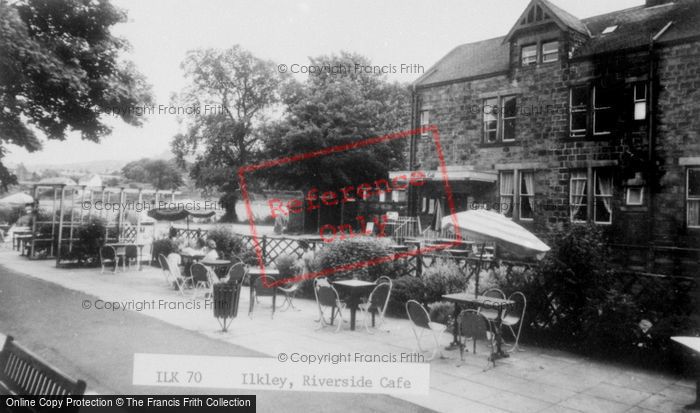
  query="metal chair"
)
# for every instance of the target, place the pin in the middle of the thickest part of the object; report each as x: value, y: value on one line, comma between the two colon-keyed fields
x: 515, y: 316
x: 165, y: 268
x: 290, y: 291
x: 327, y: 296
x: 384, y: 279
x: 107, y: 256
x: 473, y: 325
x: 201, y: 278
x: 120, y: 254
x: 131, y: 255
x: 261, y: 290
x: 421, y: 319
x: 236, y: 272
x: 377, y: 303
x: 491, y: 314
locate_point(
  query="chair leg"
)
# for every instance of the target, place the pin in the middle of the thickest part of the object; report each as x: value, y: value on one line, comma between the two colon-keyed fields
x: 437, y: 346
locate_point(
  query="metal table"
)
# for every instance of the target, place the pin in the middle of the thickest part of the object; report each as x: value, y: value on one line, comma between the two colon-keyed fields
x: 354, y: 290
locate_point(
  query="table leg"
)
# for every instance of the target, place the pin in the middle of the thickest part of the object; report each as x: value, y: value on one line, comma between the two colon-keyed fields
x: 353, y: 310
x: 696, y: 404
x: 455, y: 341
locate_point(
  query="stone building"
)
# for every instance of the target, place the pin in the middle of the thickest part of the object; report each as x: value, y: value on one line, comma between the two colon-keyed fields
x: 565, y: 121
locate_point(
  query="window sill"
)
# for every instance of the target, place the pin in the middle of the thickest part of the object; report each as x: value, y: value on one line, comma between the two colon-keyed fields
x: 498, y: 144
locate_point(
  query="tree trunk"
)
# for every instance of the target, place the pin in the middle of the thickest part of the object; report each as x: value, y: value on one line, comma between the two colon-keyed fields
x: 228, y: 202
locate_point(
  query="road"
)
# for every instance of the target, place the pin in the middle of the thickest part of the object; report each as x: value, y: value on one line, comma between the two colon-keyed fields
x: 98, y: 346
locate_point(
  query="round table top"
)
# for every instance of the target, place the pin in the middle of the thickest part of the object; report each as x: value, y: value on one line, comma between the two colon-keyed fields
x: 268, y: 271
x: 216, y: 262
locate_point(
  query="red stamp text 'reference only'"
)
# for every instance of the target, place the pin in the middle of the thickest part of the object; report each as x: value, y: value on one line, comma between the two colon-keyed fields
x: 414, y: 179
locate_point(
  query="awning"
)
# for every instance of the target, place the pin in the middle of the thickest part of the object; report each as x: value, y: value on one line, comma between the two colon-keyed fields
x: 454, y: 173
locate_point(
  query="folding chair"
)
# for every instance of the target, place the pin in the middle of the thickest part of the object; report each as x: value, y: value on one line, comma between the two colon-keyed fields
x: 421, y: 319
x: 473, y: 325
x: 515, y: 316
x: 201, y: 278
x: 261, y: 290
x: 376, y: 304
x: 327, y: 296
x: 107, y: 257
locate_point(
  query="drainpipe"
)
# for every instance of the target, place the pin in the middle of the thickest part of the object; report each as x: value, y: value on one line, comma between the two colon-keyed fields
x: 651, y: 135
x: 412, y: 151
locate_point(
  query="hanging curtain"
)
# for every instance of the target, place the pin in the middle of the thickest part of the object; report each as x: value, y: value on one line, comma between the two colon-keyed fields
x: 578, y: 191
x: 507, y: 187
x: 529, y: 180
x: 605, y: 188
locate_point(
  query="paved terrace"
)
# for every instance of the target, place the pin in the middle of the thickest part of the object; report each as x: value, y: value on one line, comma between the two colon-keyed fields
x: 536, y: 380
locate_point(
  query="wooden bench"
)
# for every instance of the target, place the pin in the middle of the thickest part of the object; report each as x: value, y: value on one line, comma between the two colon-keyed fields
x: 23, y: 373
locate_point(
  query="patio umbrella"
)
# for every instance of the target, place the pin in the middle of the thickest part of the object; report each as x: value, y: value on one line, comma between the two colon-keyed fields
x: 177, y: 212
x: 18, y: 199
x: 488, y: 226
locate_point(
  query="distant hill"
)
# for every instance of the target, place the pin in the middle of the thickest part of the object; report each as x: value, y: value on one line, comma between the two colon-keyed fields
x: 95, y: 167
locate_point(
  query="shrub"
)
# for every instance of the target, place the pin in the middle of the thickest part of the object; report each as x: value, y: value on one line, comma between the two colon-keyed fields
x: 444, y: 277
x: 443, y: 312
x: 91, y: 238
x: 10, y: 215
x: 163, y: 246
x: 287, y: 266
x: 355, y: 250
x: 230, y: 245
x: 405, y: 288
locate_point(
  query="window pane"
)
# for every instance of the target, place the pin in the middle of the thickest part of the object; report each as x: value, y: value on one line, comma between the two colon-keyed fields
x: 526, y: 208
x: 640, y: 110
x: 604, y: 120
x: 424, y: 117
x: 578, y: 121
x: 579, y: 96
x: 694, y: 183
x: 601, y: 212
x: 640, y: 91
x: 509, y: 109
x: 529, y: 55
x: 634, y: 196
x: 550, y: 52
x: 509, y: 129
x: 603, y: 97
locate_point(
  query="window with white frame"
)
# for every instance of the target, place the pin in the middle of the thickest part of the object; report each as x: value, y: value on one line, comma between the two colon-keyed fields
x: 424, y: 121
x: 500, y: 115
x: 578, y: 110
x: 550, y: 52
x: 603, y: 113
x: 602, y: 196
x: 692, y: 195
x: 578, y: 196
x: 527, y: 195
x: 508, y: 116
x: 528, y: 55
x: 507, y: 192
x: 490, y: 120
x: 640, y: 101
x: 635, y: 195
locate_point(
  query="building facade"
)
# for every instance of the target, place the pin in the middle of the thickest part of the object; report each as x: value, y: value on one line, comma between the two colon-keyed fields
x: 565, y: 121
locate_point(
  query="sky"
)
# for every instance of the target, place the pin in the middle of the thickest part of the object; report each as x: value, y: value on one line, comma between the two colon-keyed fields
x: 388, y: 32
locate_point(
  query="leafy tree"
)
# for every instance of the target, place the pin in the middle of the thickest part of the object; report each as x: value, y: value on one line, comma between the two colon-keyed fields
x: 60, y: 71
x: 160, y: 173
x: 335, y: 109
x: 232, y: 90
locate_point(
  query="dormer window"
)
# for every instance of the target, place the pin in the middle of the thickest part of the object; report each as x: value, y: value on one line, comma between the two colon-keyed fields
x: 550, y: 52
x: 528, y: 55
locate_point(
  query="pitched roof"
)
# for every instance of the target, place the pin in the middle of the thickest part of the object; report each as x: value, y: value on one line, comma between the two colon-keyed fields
x: 636, y: 25
x: 468, y: 60
x: 567, y: 18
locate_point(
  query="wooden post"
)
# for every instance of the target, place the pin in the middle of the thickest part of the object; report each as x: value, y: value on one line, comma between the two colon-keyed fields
x: 264, y: 249
x: 60, y: 226
x: 35, y: 213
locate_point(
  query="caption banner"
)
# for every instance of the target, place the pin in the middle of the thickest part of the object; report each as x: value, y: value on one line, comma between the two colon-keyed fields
x: 257, y: 373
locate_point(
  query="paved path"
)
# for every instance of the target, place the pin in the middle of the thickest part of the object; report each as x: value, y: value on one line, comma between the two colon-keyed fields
x: 98, y: 346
